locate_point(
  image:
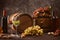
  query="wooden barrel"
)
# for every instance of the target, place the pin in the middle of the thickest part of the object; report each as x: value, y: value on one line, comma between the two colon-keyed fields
x: 25, y: 21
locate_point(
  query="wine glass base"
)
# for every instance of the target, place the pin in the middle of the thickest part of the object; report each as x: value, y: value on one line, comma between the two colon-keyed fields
x: 17, y: 36
x: 13, y: 35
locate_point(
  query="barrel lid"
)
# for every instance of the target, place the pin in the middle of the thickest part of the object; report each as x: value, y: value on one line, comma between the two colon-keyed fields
x: 25, y: 22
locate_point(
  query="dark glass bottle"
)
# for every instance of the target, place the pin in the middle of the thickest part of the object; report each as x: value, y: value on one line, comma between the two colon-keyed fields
x: 4, y: 22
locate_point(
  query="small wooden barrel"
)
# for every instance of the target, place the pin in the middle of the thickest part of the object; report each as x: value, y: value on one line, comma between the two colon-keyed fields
x: 25, y: 21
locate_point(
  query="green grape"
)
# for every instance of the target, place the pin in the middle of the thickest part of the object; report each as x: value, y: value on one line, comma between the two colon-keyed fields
x: 36, y: 27
x: 28, y: 30
x: 34, y: 32
x: 40, y: 31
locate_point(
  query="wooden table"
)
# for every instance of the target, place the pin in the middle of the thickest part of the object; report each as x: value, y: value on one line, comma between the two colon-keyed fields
x: 43, y: 37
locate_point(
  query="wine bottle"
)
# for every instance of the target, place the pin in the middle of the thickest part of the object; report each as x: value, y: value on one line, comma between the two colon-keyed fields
x: 4, y: 22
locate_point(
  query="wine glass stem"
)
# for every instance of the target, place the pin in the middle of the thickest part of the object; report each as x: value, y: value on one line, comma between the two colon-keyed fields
x: 16, y: 30
x: 33, y: 22
x: 11, y: 29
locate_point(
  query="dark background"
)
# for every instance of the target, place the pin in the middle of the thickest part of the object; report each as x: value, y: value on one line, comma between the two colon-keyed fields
x: 27, y: 6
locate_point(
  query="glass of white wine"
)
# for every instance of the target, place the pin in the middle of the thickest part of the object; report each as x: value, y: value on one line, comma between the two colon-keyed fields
x: 16, y: 24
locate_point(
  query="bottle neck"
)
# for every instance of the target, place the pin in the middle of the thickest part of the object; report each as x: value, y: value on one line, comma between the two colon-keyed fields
x: 4, y: 13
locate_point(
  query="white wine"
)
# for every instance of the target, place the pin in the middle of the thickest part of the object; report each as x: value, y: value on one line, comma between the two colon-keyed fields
x: 16, y: 22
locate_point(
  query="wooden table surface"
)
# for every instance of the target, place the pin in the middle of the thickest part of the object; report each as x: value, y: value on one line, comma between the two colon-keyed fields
x: 43, y: 37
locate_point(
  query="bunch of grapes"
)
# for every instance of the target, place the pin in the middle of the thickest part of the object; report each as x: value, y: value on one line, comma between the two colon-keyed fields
x: 33, y: 30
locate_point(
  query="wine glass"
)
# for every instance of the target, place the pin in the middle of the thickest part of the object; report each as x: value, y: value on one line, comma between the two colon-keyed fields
x: 16, y: 24
x: 11, y: 29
